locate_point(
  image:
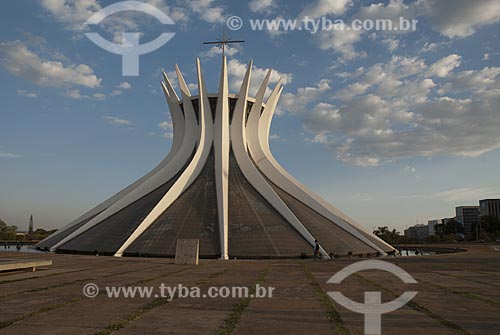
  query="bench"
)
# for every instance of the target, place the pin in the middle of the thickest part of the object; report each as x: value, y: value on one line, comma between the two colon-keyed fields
x: 27, y: 264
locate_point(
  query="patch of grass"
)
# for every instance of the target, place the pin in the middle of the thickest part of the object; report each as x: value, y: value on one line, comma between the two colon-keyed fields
x: 33, y: 290
x: 5, y: 324
x: 328, y: 305
x: 468, y: 279
x: 109, y: 329
x: 213, y: 275
x: 133, y: 316
x: 39, y: 277
x: 234, y: 318
x: 448, y: 324
x: 462, y: 293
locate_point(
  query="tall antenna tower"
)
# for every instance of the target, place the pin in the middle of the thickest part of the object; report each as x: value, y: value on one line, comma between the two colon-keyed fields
x: 30, y: 227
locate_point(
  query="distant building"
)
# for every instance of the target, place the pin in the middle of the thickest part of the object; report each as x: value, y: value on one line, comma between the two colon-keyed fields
x: 431, y: 224
x: 446, y: 220
x: 489, y: 207
x: 417, y: 232
x: 468, y: 216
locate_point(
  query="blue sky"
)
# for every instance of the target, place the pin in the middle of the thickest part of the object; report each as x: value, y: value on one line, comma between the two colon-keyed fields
x: 389, y: 127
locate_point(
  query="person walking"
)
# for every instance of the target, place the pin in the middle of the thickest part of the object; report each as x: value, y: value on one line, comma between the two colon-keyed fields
x: 316, y: 250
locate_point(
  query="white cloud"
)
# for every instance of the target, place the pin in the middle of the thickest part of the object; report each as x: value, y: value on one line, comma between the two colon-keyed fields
x: 482, y: 80
x: 461, y: 195
x: 72, y: 14
x: 296, y: 103
x: 236, y: 71
x: 460, y: 18
x: 370, y: 130
x: 121, y: 87
x: 165, y: 125
x: 21, y: 62
x: 99, y: 96
x: 391, y: 110
x: 324, y: 7
x: 410, y: 169
x: 391, y: 43
x: 168, y: 127
x: 428, y: 46
x: 215, y: 51
x: 168, y: 134
x: 193, y: 88
x: 117, y: 121
x: 279, y: 31
x: 116, y: 92
x: 341, y: 41
x: 206, y: 10
x: 23, y: 93
x: 172, y: 76
x: 75, y: 94
x: 177, y: 14
x: 393, y: 10
x: 386, y: 77
x: 124, y: 85
x: 351, y: 91
x: 452, y: 18
x: 445, y: 65
x: 277, y: 138
x: 5, y: 154
x: 261, y: 6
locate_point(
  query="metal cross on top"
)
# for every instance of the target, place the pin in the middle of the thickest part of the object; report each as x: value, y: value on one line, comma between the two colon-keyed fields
x: 223, y: 42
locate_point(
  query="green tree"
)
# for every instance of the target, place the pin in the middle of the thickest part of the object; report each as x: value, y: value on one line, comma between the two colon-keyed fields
x: 450, y: 227
x: 390, y: 236
x: 40, y: 234
x: 433, y: 239
x: 7, y: 232
x: 490, y: 225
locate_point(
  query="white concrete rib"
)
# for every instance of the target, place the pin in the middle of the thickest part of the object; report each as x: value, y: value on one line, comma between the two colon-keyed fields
x: 162, y: 175
x: 221, y: 152
x: 258, y: 129
x: 178, y: 138
x: 253, y: 176
x: 195, y: 166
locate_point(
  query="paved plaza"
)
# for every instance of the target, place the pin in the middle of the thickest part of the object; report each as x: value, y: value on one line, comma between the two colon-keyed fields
x: 457, y: 294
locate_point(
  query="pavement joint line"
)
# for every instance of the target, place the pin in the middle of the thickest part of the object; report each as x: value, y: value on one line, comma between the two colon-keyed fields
x: 157, y: 302
x: 468, y: 279
x: 463, y: 293
x: 331, y: 312
x: 234, y: 318
x: 5, y: 324
x: 485, y: 273
x: 40, y: 277
x: 50, y: 275
x: 416, y: 306
x: 73, y: 282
